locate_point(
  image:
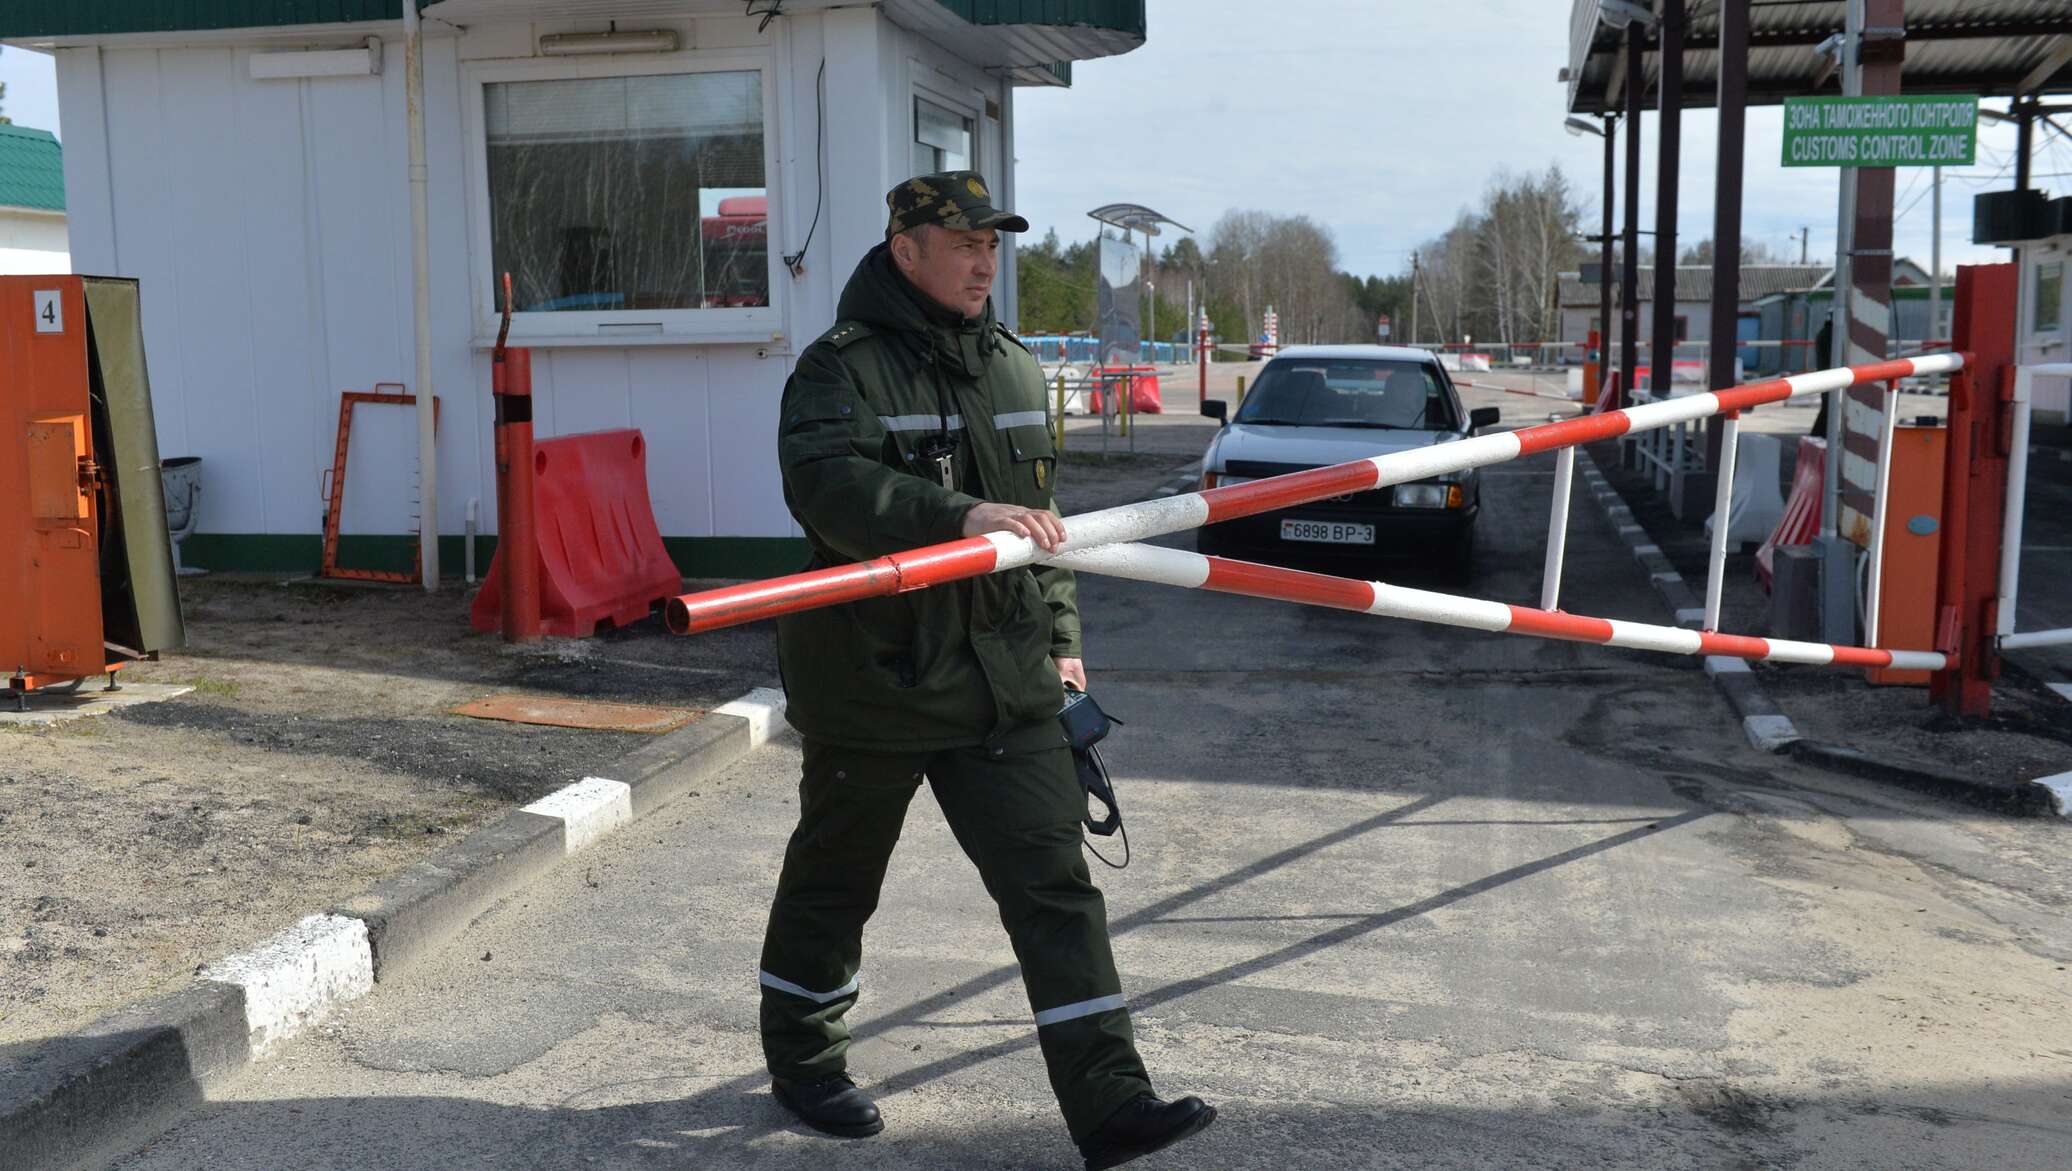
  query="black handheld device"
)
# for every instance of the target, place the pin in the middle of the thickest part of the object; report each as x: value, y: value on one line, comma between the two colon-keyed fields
x: 1085, y: 726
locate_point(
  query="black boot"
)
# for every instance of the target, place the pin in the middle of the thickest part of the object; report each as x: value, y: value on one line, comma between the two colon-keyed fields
x: 1142, y: 1126
x: 833, y: 1105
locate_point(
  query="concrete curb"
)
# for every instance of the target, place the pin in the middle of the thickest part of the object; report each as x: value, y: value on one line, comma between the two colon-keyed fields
x: 83, y: 1098
x: 2022, y: 799
x: 1765, y: 724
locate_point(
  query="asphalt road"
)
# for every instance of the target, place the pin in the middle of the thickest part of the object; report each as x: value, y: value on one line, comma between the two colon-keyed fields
x: 1403, y: 896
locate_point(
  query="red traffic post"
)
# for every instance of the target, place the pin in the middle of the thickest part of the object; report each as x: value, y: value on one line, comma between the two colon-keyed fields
x: 510, y: 384
x: 1975, y: 487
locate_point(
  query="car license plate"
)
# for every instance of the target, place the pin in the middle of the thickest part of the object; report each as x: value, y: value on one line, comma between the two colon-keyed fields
x: 1327, y: 532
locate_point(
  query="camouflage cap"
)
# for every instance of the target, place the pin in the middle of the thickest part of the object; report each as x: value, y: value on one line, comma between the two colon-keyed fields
x: 958, y: 200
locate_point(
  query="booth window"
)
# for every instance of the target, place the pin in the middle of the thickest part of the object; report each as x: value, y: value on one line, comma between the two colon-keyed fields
x: 629, y: 193
x: 2050, y: 291
x: 942, y: 139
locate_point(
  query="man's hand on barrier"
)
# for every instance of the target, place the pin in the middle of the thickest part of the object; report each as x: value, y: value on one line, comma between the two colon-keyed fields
x: 1042, y: 527
x: 1072, y: 671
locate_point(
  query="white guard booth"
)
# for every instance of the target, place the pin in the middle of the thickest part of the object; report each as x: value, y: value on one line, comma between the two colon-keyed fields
x: 642, y: 169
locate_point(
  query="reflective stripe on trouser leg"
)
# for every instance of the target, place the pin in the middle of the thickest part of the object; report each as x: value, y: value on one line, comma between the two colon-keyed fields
x: 783, y: 985
x: 1071, y: 1012
x: 851, y: 805
x: 1017, y: 816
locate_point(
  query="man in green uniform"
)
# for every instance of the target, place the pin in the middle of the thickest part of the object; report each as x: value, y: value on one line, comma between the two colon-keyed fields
x: 918, y: 419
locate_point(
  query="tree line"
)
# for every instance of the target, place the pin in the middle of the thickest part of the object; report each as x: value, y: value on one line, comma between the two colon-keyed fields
x: 1253, y: 259
x: 1494, y: 274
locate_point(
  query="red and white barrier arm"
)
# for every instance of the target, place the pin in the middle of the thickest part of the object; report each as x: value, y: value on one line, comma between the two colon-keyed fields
x: 973, y: 556
x: 1189, y: 570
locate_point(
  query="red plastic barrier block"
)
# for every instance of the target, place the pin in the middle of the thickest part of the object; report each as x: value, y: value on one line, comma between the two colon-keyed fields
x: 1143, y: 384
x: 600, y: 555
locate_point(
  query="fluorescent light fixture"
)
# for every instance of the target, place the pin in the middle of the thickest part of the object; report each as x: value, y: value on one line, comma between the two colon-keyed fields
x: 1617, y: 13
x: 361, y: 62
x: 661, y: 40
x: 1581, y: 126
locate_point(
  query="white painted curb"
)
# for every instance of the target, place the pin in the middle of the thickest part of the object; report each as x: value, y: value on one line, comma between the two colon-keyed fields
x: 2059, y: 786
x: 1770, y: 733
x: 763, y: 708
x: 588, y: 809
x: 294, y: 979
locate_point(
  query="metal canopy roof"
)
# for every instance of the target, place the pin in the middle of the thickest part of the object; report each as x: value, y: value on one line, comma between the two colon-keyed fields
x: 1134, y: 217
x: 1994, y: 48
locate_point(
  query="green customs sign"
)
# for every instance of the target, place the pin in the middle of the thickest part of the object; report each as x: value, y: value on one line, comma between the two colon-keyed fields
x: 1914, y: 130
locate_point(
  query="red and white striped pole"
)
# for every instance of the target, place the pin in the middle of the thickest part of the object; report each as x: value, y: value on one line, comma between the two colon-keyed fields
x: 1194, y: 571
x: 993, y: 552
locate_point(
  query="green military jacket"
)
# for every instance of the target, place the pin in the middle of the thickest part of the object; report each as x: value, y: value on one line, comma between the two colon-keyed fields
x: 956, y: 665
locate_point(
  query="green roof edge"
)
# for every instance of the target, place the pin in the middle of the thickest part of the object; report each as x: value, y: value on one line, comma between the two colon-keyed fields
x: 85, y: 18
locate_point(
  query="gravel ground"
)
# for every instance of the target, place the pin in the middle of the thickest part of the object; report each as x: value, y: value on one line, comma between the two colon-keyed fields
x: 315, y: 756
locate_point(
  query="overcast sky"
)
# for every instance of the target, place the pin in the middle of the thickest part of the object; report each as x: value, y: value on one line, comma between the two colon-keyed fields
x: 1380, y: 119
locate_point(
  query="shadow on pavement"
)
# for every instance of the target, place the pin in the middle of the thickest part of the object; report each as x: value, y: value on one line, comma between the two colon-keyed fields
x: 1695, y: 1125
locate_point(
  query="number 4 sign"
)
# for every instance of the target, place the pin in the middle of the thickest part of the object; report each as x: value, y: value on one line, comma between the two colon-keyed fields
x: 50, y: 311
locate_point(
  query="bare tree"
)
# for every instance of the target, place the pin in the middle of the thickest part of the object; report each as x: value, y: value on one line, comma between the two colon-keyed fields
x: 1495, y: 272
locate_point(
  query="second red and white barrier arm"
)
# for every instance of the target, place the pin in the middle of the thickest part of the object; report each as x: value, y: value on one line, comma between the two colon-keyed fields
x: 1189, y: 570
x: 974, y: 556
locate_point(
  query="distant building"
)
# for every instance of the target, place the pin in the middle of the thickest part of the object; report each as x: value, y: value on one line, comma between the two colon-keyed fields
x: 1779, y: 302
x: 33, y: 238
x: 1581, y: 298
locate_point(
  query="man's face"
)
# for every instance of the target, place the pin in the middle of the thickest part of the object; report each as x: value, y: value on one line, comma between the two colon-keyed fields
x: 956, y: 268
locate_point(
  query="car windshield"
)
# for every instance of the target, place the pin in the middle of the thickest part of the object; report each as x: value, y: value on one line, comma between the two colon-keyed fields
x: 1349, y: 392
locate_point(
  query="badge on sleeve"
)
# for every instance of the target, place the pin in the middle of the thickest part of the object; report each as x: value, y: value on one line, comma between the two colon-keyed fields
x: 1041, y: 475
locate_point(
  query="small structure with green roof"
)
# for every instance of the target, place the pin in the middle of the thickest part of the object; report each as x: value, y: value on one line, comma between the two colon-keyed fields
x: 32, y: 202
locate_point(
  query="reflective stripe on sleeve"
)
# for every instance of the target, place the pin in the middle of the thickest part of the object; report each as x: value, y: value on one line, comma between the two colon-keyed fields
x: 1003, y: 421
x: 783, y: 985
x: 1072, y: 1012
x: 919, y: 422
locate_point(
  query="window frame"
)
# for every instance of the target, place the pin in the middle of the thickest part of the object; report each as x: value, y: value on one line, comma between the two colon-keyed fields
x: 2048, y: 272
x: 935, y: 98
x: 603, y: 327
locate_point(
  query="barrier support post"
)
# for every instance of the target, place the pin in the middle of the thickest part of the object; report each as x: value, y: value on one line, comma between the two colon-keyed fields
x: 1557, y: 529
x: 1061, y: 415
x: 2017, y: 499
x: 1880, y: 511
x: 1722, y: 509
x: 1975, y: 488
x: 1241, y: 390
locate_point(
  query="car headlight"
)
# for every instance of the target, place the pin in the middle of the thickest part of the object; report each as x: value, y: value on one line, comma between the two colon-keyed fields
x: 1428, y: 496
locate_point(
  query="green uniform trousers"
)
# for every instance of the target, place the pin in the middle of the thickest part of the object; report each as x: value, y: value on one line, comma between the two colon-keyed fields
x: 1017, y: 815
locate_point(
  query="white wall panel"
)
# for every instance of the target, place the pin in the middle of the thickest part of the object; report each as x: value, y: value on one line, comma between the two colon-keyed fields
x: 589, y: 389
x: 263, y: 228
x: 87, y: 194
x: 668, y: 396
x: 145, y: 237
x: 747, y: 489
x: 209, y: 246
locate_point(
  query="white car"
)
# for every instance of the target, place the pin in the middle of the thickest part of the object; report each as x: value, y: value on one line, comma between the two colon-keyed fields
x: 1314, y: 406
